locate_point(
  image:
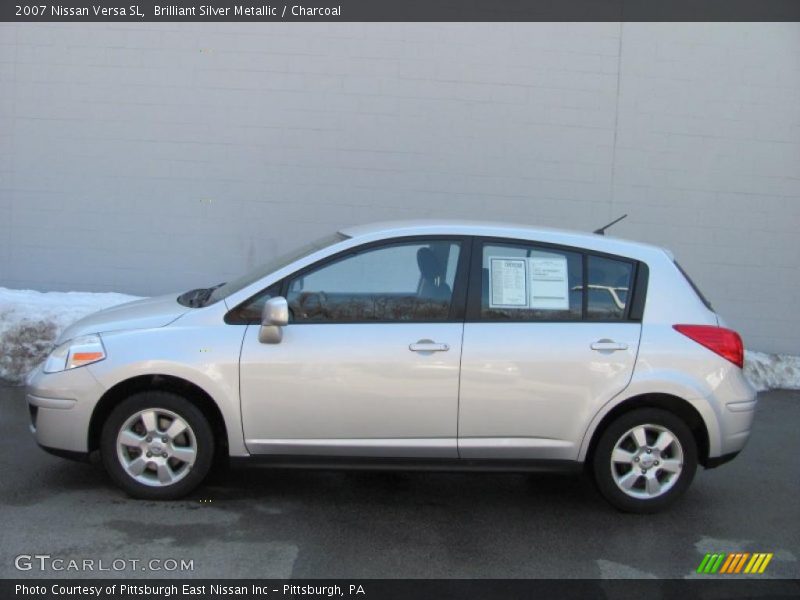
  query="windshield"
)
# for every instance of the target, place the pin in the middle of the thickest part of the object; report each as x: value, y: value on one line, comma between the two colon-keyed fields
x: 225, y: 290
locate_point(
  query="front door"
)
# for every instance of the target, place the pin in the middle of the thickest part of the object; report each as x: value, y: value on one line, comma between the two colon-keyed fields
x: 369, y: 362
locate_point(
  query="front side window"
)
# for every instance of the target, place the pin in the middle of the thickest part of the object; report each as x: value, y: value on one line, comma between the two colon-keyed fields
x: 523, y: 282
x: 250, y: 311
x: 405, y: 281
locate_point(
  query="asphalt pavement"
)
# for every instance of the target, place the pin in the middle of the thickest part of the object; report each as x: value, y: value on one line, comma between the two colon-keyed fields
x: 263, y: 523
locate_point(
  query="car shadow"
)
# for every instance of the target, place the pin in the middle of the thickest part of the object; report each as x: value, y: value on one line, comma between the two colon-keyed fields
x: 368, y: 488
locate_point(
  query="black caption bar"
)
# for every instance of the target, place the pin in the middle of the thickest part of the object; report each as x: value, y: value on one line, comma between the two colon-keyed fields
x: 401, y: 10
x: 394, y: 589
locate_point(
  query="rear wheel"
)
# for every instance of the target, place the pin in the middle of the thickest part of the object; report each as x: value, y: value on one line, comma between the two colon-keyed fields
x: 645, y: 460
x: 157, y: 446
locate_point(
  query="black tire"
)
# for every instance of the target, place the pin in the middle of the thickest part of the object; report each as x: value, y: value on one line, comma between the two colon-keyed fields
x: 602, y: 465
x: 198, y: 427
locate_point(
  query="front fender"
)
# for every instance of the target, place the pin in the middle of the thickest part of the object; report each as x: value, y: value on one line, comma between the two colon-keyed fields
x: 204, y: 356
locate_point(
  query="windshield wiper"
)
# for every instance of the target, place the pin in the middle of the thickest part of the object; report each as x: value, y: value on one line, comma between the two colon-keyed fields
x: 197, y: 298
x: 191, y: 298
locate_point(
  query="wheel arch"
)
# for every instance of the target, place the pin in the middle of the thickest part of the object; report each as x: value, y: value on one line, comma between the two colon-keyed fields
x: 164, y: 383
x: 674, y: 404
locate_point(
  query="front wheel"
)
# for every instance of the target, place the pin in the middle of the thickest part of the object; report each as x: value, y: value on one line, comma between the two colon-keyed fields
x: 157, y: 446
x: 645, y: 460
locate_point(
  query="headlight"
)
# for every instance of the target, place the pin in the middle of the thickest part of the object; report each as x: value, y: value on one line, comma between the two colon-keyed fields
x: 77, y: 352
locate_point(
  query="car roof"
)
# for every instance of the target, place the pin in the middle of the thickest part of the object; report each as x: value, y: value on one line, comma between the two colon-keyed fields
x: 593, y: 241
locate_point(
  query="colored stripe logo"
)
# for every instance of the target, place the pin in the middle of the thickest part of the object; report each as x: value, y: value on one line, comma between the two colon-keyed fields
x: 734, y: 563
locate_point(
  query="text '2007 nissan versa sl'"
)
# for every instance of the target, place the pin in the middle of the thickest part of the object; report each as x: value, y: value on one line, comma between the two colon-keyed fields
x: 439, y: 345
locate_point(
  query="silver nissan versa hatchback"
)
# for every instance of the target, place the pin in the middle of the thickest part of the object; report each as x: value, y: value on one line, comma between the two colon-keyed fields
x: 440, y: 345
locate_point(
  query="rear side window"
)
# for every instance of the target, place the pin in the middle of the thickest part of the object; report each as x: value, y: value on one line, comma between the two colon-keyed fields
x: 523, y: 281
x: 608, y: 289
x: 696, y: 289
x: 530, y: 283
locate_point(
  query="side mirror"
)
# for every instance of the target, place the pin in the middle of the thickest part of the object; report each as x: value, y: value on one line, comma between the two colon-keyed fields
x: 274, y: 317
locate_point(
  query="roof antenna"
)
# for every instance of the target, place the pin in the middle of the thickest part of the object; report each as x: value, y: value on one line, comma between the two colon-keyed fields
x: 602, y: 230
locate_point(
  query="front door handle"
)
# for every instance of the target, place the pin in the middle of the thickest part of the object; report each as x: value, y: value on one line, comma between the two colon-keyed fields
x: 428, y: 346
x: 608, y: 345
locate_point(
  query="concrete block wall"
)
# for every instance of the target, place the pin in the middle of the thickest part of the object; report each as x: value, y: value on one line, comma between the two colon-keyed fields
x: 148, y: 158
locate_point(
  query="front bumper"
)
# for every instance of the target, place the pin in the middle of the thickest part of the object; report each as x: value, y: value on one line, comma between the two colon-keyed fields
x: 60, y: 407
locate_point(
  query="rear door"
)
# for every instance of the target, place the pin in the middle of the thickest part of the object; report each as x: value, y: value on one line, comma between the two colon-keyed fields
x: 550, y: 336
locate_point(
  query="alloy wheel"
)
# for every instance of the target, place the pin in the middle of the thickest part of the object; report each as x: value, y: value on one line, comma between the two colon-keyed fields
x: 156, y: 447
x: 646, y: 461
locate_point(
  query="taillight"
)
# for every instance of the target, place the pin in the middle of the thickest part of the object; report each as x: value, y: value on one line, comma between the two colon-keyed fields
x: 724, y: 342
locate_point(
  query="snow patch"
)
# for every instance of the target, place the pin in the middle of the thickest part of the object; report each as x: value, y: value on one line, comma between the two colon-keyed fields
x: 772, y: 371
x: 31, y: 321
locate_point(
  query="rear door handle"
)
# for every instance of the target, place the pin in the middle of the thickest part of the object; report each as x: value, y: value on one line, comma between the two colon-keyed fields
x: 428, y: 346
x: 608, y: 345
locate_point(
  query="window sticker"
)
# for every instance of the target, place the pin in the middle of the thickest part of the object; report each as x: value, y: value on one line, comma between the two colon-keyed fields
x: 508, y: 283
x: 549, y: 283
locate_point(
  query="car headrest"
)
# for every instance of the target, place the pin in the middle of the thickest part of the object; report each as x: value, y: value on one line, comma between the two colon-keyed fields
x: 428, y: 264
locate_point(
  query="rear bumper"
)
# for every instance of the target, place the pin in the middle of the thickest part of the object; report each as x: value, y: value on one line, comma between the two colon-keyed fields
x: 712, y: 463
x: 735, y: 424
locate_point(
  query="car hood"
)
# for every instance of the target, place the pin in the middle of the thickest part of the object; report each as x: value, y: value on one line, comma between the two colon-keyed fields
x: 139, y: 314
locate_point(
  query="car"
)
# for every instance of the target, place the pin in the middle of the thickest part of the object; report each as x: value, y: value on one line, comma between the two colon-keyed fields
x: 425, y: 345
